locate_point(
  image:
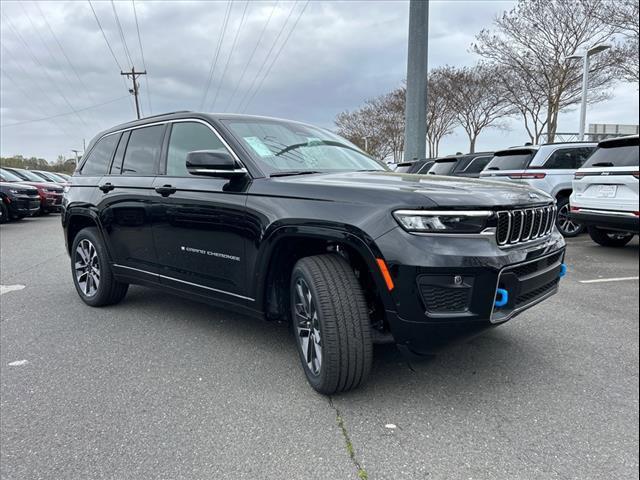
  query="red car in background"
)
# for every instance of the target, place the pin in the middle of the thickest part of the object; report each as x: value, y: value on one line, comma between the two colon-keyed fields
x: 50, y: 193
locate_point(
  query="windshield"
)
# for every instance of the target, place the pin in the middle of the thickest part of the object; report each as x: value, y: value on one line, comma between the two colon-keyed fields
x: 442, y: 168
x: 626, y: 156
x: 7, y: 176
x: 511, y: 160
x: 283, y: 146
x: 43, y: 176
x: 26, y: 174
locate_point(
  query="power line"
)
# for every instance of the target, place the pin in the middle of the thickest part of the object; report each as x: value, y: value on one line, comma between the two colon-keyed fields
x: 214, y: 61
x: 121, y: 32
x: 35, y: 59
x: 29, y: 100
x: 90, y: 107
x: 244, y: 71
x: 46, y: 45
x: 110, y: 49
x: 63, y: 52
x: 233, y: 46
x: 264, y: 62
x: 278, y: 54
x: 105, y: 36
x: 144, y: 64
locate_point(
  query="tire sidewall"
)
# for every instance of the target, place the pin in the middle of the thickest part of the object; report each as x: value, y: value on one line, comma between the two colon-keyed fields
x: 103, y: 292
x: 600, y: 236
x: 317, y: 381
x: 562, y: 202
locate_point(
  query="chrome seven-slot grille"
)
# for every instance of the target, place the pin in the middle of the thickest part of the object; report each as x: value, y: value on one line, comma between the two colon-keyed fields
x: 522, y: 225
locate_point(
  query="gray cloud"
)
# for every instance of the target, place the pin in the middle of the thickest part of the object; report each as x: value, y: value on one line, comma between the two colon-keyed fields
x: 340, y: 54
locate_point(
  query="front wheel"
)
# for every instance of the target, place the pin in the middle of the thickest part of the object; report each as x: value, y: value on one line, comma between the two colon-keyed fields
x: 609, y: 238
x: 4, y: 212
x: 92, y: 275
x: 567, y: 227
x: 330, y: 323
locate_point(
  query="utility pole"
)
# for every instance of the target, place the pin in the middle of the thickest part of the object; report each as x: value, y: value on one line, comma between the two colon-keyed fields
x: 415, y: 130
x: 134, y: 91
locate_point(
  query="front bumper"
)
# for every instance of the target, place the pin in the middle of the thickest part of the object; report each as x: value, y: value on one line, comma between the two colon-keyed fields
x: 445, y: 287
x: 51, y: 202
x: 23, y: 205
x: 607, y: 219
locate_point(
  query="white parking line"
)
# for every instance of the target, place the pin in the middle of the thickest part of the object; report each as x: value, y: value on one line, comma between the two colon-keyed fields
x: 10, y: 288
x: 604, y: 280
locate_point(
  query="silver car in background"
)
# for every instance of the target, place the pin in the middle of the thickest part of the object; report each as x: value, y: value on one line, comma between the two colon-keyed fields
x: 548, y: 167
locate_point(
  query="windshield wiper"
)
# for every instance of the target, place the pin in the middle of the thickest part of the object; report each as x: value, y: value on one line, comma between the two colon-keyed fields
x: 603, y: 164
x: 288, y: 173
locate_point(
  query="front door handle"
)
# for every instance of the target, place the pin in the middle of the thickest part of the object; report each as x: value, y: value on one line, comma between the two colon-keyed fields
x: 106, y: 187
x: 166, y: 190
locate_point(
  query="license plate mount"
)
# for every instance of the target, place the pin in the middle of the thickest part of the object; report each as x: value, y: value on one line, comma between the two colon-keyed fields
x: 607, y: 191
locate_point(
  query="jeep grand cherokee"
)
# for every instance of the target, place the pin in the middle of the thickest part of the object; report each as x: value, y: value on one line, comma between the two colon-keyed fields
x: 287, y: 221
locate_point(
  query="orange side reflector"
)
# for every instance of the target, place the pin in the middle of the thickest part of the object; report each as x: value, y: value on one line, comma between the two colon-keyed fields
x: 385, y: 273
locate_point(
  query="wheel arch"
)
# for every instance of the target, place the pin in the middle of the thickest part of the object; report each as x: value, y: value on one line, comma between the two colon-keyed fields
x: 75, y: 219
x: 285, y: 245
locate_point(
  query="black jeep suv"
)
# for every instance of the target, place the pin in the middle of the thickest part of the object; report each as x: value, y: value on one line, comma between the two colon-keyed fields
x: 287, y: 221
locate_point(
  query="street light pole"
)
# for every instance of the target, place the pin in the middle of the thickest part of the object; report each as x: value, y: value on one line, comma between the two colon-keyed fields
x: 585, y: 82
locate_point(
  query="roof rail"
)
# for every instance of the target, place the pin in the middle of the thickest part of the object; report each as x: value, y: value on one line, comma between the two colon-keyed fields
x: 165, y: 113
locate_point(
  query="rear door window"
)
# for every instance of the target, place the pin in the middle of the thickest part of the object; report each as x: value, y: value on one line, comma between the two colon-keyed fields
x: 568, y: 158
x: 511, y: 160
x: 623, y: 156
x: 143, y: 151
x: 97, y: 163
x: 477, y: 164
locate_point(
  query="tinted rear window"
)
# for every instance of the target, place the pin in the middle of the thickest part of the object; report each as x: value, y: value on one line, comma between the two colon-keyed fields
x: 477, y: 165
x: 100, y: 156
x: 442, y: 168
x: 516, y: 160
x: 143, y: 151
x: 403, y: 168
x: 626, y: 156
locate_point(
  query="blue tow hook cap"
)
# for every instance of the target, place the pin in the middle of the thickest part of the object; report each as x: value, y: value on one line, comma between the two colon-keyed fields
x: 504, y: 297
x: 563, y: 270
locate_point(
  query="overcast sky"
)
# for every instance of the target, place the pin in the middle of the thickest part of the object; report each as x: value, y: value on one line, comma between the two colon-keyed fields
x: 338, y: 55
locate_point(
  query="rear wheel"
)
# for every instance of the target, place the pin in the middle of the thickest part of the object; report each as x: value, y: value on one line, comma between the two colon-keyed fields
x: 609, y: 238
x: 92, y: 275
x: 4, y: 213
x: 330, y: 323
x: 566, y: 226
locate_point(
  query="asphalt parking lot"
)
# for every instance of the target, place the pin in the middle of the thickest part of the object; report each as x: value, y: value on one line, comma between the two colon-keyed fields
x: 162, y: 387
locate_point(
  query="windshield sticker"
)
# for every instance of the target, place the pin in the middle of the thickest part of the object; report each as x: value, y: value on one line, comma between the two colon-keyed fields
x: 258, y: 146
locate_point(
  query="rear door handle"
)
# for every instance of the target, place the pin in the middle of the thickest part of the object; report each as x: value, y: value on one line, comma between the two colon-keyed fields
x: 106, y: 187
x: 166, y: 190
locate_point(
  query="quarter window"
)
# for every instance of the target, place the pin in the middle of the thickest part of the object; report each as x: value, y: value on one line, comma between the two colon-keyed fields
x: 188, y: 137
x: 568, y: 158
x: 477, y: 164
x: 100, y: 156
x: 143, y: 151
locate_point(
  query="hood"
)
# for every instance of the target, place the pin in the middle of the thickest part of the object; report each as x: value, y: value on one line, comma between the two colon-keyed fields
x: 412, y: 190
x: 18, y: 186
x: 43, y: 184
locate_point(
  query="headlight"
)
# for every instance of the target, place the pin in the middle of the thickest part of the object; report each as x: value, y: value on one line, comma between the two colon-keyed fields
x: 11, y: 190
x: 434, y: 221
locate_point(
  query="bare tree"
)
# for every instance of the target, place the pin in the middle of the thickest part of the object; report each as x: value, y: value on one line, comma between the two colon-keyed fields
x: 380, y: 121
x: 624, y: 15
x: 476, y: 100
x: 441, y: 113
x: 534, y: 39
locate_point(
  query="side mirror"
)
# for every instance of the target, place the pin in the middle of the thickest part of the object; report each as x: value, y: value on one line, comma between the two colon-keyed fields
x: 214, y: 163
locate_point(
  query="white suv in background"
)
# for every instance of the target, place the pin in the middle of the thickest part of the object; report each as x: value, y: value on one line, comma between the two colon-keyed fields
x: 549, y: 167
x: 605, y: 192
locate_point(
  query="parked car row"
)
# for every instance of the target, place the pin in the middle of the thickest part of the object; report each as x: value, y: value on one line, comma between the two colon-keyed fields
x: 29, y: 192
x: 556, y: 169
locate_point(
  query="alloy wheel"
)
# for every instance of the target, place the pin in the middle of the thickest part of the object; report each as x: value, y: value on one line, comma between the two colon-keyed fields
x: 565, y: 224
x: 87, y: 268
x: 308, y: 327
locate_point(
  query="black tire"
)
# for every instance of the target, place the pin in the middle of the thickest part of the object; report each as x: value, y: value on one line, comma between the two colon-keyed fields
x: 109, y: 291
x: 4, y: 212
x: 609, y: 238
x: 342, y: 320
x: 567, y: 227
